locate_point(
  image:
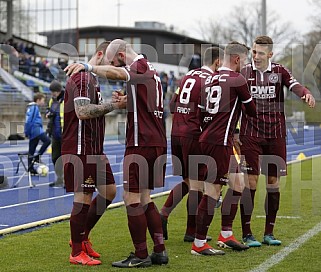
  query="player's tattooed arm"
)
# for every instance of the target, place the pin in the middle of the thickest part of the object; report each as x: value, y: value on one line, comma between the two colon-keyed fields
x: 85, y: 110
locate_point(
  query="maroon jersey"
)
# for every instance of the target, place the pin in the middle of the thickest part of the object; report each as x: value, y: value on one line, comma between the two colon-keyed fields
x: 82, y: 137
x: 267, y: 91
x: 185, y: 119
x: 220, y: 104
x: 145, y: 105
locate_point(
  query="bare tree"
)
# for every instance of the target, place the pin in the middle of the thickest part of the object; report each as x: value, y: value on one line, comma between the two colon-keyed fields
x: 316, y: 13
x: 244, y: 24
x: 304, y: 57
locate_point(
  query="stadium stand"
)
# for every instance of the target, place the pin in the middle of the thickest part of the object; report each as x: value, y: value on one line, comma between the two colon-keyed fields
x: 10, y: 83
x: 32, y: 81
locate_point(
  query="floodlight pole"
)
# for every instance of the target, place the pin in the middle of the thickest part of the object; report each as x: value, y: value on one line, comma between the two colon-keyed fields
x: 118, y: 12
x: 9, y: 19
x: 263, y: 17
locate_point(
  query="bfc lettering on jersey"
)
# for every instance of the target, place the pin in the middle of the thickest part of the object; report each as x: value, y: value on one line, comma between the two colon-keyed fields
x: 263, y: 92
x: 199, y: 73
x: 220, y: 78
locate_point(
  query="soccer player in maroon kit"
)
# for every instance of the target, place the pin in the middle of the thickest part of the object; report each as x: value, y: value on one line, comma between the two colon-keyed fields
x: 221, y: 100
x: 86, y: 167
x: 145, y: 155
x: 263, y: 137
x: 185, y: 134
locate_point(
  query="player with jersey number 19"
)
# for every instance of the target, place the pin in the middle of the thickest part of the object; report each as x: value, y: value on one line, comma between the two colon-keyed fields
x: 263, y: 137
x: 145, y: 155
x: 220, y: 106
x: 184, y: 141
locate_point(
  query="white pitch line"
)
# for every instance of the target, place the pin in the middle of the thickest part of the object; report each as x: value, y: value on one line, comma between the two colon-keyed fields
x: 1, y: 225
x: 281, y: 217
x: 277, y: 258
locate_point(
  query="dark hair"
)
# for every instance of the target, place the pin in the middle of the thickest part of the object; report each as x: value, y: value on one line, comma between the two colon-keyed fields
x: 211, y: 54
x: 264, y: 40
x: 102, y: 47
x: 38, y: 96
x: 55, y: 86
x: 236, y: 48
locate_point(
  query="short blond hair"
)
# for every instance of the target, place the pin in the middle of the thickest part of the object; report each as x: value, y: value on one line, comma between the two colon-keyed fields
x: 236, y: 48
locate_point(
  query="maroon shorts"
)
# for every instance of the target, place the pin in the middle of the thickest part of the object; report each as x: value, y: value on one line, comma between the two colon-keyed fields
x: 185, y: 152
x: 144, y: 168
x: 263, y: 155
x: 83, y: 173
x: 220, y: 161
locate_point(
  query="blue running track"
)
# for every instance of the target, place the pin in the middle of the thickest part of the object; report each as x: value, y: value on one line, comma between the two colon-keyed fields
x: 24, y: 205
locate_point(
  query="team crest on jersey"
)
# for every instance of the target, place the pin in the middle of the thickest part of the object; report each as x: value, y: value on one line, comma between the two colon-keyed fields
x: 273, y: 78
x: 88, y: 183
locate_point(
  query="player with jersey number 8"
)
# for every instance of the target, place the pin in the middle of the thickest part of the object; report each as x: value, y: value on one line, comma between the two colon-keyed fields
x: 220, y: 106
x: 184, y: 141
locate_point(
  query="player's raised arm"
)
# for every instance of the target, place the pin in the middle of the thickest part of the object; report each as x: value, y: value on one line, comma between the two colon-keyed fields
x: 85, y: 110
x: 106, y: 71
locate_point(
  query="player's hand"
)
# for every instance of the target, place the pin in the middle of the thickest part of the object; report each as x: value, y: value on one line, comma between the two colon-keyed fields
x: 309, y: 99
x: 121, y: 102
x: 116, y: 94
x: 74, y: 68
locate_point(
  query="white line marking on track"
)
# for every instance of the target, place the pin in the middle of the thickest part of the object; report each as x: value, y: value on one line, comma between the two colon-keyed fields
x: 50, y: 198
x: 1, y: 225
x: 34, y: 202
x: 278, y: 257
